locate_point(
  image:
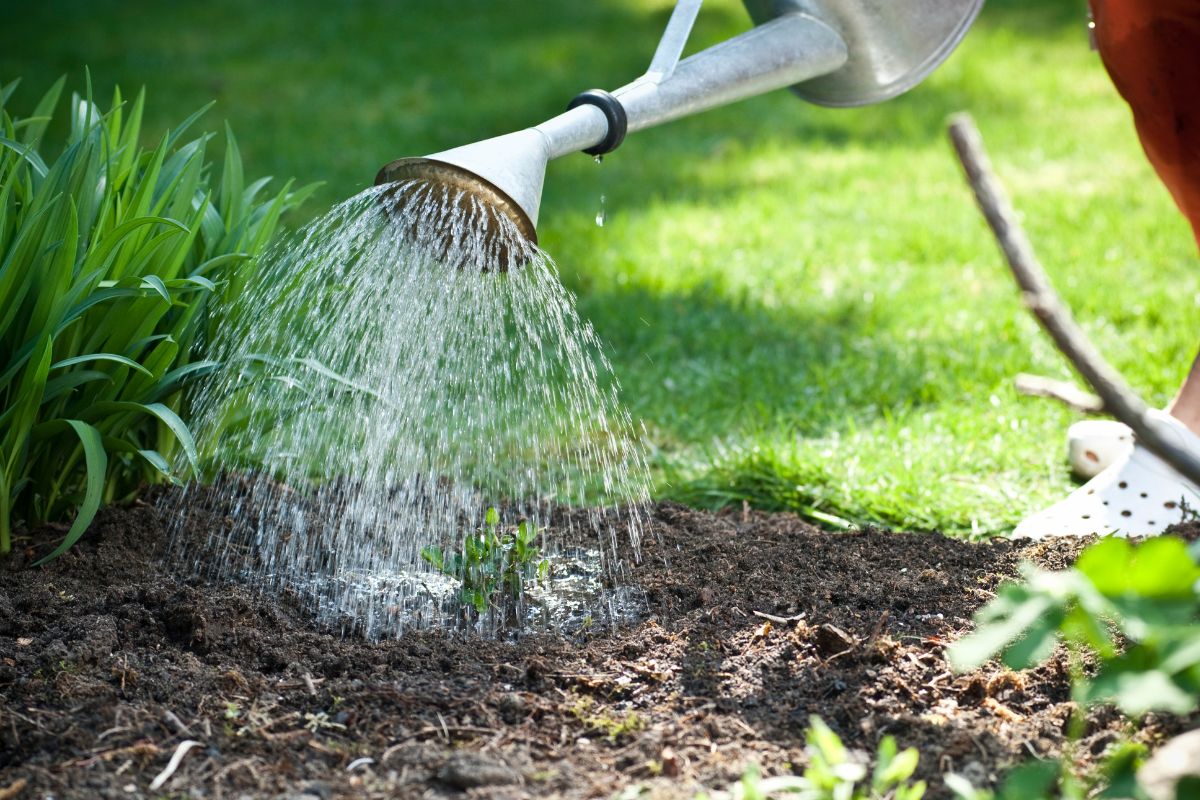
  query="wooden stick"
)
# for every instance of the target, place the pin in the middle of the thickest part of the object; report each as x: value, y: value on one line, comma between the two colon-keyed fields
x: 1119, y: 400
x: 1064, y: 392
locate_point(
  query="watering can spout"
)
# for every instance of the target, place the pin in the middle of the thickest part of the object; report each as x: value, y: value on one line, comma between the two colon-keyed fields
x: 504, y: 173
x: 834, y: 52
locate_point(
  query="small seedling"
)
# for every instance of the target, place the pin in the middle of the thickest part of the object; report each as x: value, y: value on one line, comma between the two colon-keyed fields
x: 495, y: 565
x: 834, y: 773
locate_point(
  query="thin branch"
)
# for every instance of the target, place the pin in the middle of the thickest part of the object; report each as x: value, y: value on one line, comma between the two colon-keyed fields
x: 1064, y: 392
x: 1119, y: 400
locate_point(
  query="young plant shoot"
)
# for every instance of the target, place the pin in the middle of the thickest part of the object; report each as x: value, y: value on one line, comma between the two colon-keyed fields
x: 495, y: 565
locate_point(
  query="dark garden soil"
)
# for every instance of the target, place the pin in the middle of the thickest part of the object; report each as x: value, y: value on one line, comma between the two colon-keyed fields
x: 755, y: 622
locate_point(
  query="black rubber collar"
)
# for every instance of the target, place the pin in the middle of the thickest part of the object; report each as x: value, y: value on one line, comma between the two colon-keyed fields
x: 614, y: 112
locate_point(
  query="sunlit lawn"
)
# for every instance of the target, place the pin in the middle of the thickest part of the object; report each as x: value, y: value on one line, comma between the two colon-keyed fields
x: 802, y: 304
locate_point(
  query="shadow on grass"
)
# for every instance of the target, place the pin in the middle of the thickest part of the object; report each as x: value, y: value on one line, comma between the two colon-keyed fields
x: 751, y: 392
x: 812, y: 369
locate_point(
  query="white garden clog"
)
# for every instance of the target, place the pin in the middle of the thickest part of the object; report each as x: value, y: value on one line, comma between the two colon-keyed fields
x: 1094, y: 444
x: 1137, y: 495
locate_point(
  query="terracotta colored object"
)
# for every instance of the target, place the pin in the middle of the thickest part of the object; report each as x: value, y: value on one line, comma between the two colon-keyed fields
x: 1151, y: 51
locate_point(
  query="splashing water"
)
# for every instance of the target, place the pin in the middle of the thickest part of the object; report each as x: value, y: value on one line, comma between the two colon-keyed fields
x: 407, y: 362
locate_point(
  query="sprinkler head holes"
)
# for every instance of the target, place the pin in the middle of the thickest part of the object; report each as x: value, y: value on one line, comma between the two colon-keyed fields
x: 489, y: 212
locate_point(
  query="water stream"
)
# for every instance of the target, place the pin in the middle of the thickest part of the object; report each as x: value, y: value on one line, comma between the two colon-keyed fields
x: 393, y: 371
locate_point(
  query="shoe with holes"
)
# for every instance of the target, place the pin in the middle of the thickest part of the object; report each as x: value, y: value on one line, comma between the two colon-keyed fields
x: 1095, y: 444
x: 1138, y: 495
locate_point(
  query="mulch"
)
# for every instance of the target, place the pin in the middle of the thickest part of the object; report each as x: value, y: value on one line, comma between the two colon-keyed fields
x: 754, y: 622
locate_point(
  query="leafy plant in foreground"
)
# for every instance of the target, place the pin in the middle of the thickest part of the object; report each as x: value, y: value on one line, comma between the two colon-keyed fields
x: 834, y: 774
x: 110, y: 256
x: 1136, y: 608
x: 495, y: 565
x: 1148, y: 594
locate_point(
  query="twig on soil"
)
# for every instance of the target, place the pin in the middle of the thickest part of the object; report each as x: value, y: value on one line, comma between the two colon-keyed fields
x: 1064, y: 392
x: 979, y: 746
x: 1119, y: 400
x: 878, y: 629
x: 173, y: 764
x: 297, y: 684
x: 248, y: 763
x: 320, y: 748
x: 779, y: 620
x: 13, y: 789
x: 175, y: 723
x: 936, y: 679
x: 141, y: 748
x: 25, y: 719
x: 746, y: 728
x: 442, y: 730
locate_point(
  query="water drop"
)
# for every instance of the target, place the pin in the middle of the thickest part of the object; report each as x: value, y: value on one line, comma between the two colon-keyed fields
x: 601, y: 212
x: 383, y: 388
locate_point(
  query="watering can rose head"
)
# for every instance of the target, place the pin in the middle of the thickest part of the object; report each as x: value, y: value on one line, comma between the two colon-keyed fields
x: 456, y: 215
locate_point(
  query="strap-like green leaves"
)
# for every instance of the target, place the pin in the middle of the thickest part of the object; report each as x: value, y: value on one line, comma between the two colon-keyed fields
x: 109, y: 256
x: 129, y: 362
x: 96, y: 466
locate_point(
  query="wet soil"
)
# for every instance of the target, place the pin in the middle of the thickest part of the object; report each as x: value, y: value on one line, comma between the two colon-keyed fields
x: 755, y: 622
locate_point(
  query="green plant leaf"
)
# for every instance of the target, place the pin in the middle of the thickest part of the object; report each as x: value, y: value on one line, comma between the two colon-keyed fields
x: 1106, y: 564
x: 97, y: 466
x: 43, y: 112
x: 129, y: 362
x: 156, y: 460
x: 91, y: 244
x: 27, y: 152
x: 1037, y: 642
x: 1137, y: 692
x: 1015, y: 610
x: 433, y: 556
x: 169, y: 418
x: 1162, y: 568
x: 155, y: 283
x: 57, y: 387
x: 1030, y: 781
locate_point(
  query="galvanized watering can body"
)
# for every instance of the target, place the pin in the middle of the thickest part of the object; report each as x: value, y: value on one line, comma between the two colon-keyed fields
x: 832, y: 52
x: 893, y: 44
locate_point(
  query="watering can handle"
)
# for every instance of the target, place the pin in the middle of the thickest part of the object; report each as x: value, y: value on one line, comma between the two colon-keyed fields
x: 670, y: 47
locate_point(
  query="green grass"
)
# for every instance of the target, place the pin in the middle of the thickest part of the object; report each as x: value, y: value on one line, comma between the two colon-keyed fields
x: 802, y: 303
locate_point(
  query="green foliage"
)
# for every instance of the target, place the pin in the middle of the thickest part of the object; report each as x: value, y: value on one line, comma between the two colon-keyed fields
x: 1038, y: 780
x: 834, y: 774
x: 494, y: 565
x: 1136, y: 607
x: 110, y: 256
x: 1035, y: 780
x: 801, y: 303
x: 1148, y: 594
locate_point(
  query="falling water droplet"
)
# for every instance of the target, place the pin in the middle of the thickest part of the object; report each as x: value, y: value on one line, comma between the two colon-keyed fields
x: 601, y: 212
x: 384, y: 387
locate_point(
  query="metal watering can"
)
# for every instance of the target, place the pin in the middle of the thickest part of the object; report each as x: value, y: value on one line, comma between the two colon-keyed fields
x: 831, y: 52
